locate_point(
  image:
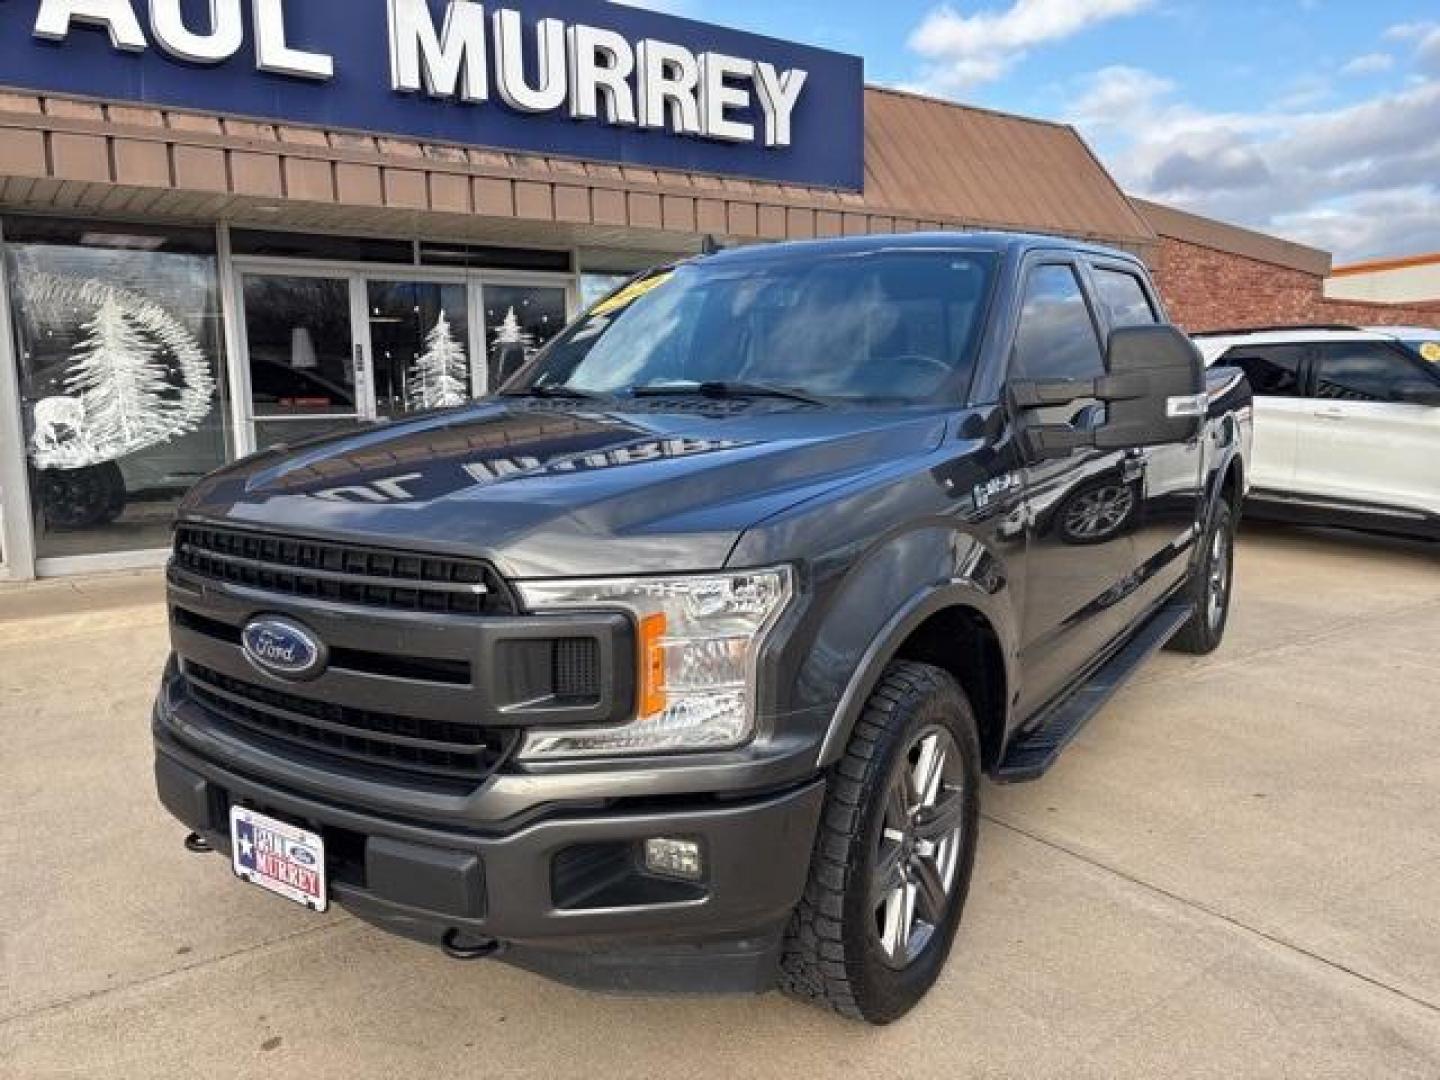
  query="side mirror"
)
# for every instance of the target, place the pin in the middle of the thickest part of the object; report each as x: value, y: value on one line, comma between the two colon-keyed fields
x: 1154, y: 391
x: 1157, y: 392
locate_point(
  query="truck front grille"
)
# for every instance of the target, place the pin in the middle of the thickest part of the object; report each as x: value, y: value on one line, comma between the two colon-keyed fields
x: 344, y: 573
x: 416, y: 748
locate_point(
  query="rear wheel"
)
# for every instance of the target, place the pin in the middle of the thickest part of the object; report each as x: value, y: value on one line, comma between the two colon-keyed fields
x: 894, y: 855
x: 1210, y: 588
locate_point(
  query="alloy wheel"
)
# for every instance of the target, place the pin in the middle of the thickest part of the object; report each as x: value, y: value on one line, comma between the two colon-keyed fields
x: 1218, y: 586
x: 920, y: 842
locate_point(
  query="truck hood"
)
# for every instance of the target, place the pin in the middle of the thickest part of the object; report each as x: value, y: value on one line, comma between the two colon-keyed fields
x: 545, y: 489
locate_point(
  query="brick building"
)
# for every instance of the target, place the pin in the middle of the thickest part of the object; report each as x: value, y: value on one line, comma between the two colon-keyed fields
x: 1218, y: 276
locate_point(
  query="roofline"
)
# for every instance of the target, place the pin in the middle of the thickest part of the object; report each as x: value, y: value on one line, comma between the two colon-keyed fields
x: 1374, y: 265
x: 877, y: 88
x: 1195, y: 229
x: 1144, y: 235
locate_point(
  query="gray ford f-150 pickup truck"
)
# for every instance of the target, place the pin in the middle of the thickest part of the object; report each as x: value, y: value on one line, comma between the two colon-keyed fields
x: 677, y: 665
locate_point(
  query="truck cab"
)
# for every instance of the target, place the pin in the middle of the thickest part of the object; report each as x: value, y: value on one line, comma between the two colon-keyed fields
x: 677, y: 665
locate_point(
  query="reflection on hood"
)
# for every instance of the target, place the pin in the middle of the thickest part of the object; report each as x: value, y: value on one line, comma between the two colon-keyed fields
x: 548, y: 492
x: 435, y: 461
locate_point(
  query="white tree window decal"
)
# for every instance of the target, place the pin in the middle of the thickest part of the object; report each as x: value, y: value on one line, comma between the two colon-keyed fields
x: 138, y: 377
x: 440, y: 376
x: 512, y: 347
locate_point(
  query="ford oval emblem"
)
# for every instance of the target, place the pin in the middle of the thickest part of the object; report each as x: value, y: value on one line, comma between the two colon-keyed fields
x: 282, y: 648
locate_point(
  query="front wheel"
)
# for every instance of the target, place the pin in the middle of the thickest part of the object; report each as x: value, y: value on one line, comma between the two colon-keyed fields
x: 894, y: 854
x: 1210, y: 588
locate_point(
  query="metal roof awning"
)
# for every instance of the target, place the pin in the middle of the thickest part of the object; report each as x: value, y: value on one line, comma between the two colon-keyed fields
x: 929, y: 165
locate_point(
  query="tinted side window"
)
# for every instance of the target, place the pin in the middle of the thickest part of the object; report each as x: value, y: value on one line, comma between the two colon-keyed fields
x: 1124, y: 298
x: 1057, y: 338
x: 1273, y: 370
x: 1362, y: 371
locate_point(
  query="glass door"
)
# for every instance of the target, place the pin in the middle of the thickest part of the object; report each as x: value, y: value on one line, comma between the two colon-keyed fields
x: 419, y: 345
x: 328, y: 346
x: 305, y: 374
x: 520, y: 318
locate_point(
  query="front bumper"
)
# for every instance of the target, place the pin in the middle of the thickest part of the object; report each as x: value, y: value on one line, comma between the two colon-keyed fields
x: 566, y: 894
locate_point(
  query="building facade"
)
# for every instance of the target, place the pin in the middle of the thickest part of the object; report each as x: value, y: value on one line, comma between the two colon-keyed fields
x: 1414, y: 280
x: 1217, y: 276
x: 198, y: 264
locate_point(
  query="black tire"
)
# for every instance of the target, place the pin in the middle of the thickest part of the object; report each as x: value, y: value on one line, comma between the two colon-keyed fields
x: 1210, y: 588
x: 82, y: 498
x: 834, y: 953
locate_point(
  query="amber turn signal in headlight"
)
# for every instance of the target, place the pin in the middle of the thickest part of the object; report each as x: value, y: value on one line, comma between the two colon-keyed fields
x: 698, y: 644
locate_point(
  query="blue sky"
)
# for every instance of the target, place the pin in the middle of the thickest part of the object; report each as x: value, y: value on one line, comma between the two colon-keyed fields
x: 1315, y: 119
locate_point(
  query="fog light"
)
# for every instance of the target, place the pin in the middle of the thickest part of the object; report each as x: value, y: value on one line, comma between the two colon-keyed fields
x: 674, y: 858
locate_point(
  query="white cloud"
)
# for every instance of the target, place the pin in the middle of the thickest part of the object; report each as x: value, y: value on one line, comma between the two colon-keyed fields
x: 1412, y: 31
x: 965, y: 50
x: 1118, y: 96
x: 1424, y: 37
x: 1374, y: 63
x: 1362, y: 180
x: 1374, y: 223
x: 1428, y: 54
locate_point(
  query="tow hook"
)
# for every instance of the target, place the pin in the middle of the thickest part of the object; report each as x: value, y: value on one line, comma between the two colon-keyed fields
x: 453, y: 945
x: 198, y: 844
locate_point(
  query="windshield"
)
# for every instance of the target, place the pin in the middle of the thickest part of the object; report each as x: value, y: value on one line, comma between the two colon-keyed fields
x: 893, y: 326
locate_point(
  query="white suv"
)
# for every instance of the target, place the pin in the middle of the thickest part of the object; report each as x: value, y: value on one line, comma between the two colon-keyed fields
x: 1347, y: 423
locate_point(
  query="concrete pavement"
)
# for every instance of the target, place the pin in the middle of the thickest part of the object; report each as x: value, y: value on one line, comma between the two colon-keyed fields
x: 1234, y: 872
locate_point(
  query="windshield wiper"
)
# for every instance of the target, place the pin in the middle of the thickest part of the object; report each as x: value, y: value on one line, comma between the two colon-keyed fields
x: 719, y: 389
x: 566, y: 392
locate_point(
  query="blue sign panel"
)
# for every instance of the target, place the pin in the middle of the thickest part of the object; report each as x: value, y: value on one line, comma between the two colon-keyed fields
x: 572, y: 78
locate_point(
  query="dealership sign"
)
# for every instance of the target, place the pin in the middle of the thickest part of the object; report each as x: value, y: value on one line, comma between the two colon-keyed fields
x: 573, y: 78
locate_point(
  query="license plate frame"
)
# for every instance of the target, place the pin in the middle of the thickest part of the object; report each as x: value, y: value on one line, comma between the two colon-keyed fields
x: 279, y: 857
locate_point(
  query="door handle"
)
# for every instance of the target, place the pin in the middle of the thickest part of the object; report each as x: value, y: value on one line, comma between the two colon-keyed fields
x: 1330, y: 414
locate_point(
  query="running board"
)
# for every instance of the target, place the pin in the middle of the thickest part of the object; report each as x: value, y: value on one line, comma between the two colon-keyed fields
x: 1031, y: 756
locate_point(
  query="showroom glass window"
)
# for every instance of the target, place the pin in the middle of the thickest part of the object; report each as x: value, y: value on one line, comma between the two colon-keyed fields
x: 118, y: 343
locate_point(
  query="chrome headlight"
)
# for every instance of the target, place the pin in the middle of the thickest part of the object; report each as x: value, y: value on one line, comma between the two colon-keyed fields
x: 698, y: 642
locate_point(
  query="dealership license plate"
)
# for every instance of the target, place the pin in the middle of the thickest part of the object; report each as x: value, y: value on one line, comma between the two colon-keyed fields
x: 278, y: 856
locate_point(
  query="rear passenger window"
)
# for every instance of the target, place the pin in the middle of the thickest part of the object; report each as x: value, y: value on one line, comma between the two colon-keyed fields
x: 1057, y: 338
x: 1124, y: 298
x: 1361, y: 371
x: 1273, y: 370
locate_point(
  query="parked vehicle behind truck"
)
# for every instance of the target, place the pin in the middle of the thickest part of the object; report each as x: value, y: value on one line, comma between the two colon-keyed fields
x: 677, y: 666
x: 1347, y: 423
